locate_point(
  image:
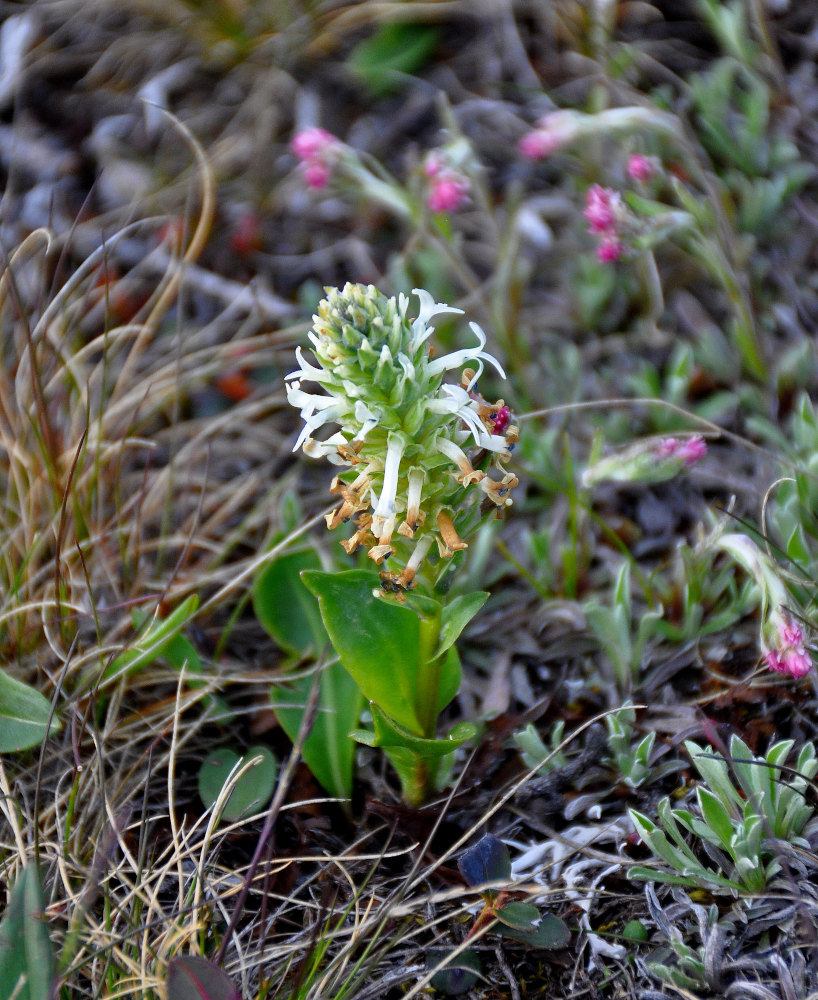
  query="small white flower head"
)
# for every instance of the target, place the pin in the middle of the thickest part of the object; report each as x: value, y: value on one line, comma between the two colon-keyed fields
x: 405, y: 435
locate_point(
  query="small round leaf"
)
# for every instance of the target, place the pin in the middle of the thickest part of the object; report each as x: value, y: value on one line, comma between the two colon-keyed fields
x: 253, y: 789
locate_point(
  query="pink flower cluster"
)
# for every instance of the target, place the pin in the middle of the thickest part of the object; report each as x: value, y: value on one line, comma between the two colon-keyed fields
x: 790, y: 656
x: 448, y: 188
x: 603, y: 210
x: 553, y: 130
x: 689, y: 450
x: 316, y: 149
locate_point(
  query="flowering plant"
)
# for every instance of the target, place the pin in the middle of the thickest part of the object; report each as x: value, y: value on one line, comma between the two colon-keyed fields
x: 411, y: 447
x: 781, y: 638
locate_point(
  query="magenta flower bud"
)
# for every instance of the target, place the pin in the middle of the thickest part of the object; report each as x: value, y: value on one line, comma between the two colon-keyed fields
x: 689, y: 451
x: 789, y: 655
x: 316, y: 149
x: 652, y: 460
x: 602, y: 210
x: 609, y: 250
x: 692, y: 449
x: 553, y: 130
x: 641, y: 168
x: 448, y: 193
x: 312, y: 142
x: 316, y: 173
x: 537, y: 145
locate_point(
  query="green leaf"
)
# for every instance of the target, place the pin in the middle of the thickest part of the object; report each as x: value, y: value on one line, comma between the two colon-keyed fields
x: 191, y: 977
x: 328, y: 752
x: 382, y: 61
x: 26, y: 954
x: 639, y: 873
x: 456, y: 616
x: 521, y: 916
x: 714, y: 772
x: 180, y: 652
x: 285, y: 608
x: 153, y: 644
x: 251, y: 792
x: 378, y: 642
x: 449, y: 677
x: 390, y: 733
x: 417, y: 761
x: 24, y: 714
x: 551, y: 932
x: 716, y: 817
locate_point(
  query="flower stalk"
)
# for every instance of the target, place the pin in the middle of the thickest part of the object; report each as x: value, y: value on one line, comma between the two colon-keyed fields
x: 412, y: 448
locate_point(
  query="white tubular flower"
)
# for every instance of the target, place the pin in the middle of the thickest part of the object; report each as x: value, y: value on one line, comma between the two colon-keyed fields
x: 458, y: 456
x: 395, y: 447
x: 402, y: 431
x: 421, y: 331
x: 414, y: 495
x: 459, y: 358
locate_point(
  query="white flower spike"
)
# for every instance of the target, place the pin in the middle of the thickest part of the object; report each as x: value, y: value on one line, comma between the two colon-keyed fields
x: 402, y: 431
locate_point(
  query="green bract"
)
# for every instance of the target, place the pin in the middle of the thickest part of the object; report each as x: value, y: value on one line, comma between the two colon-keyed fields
x: 402, y: 430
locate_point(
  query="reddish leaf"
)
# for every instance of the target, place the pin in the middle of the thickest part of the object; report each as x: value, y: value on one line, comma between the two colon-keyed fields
x: 194, y: 978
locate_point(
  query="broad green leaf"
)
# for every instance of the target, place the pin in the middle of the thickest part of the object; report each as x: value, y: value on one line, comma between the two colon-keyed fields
x: 488, y: 861
x: 26, y: 954
x: 24, y: 713
x: 551, y: 931
x: 456, y: 616
x: 251, y: 792
x: 329, y: 752
x: 287, y: 611
x: 191, y: 977
x: 521, y: 916
x: 156, y: 639
x: 450, y: 673
x: 379, y: 643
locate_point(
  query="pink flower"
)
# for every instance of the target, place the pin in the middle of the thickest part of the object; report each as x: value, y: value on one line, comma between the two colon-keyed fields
x: 538, y: 144
x: 689, y: 450
x: 553, y: 130
x: 433, y: 165
x: 641, y: 168
x: 609, y: 250
x: 602, y: 210
x: 790, y: 657
x: 692, y: 449
x: 316, y: 173
x: 311, y: 143
x: 316, y: 149
x: 448, y: 192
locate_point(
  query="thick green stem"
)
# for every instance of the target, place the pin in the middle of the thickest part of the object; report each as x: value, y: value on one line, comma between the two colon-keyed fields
x: 428, y: 675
